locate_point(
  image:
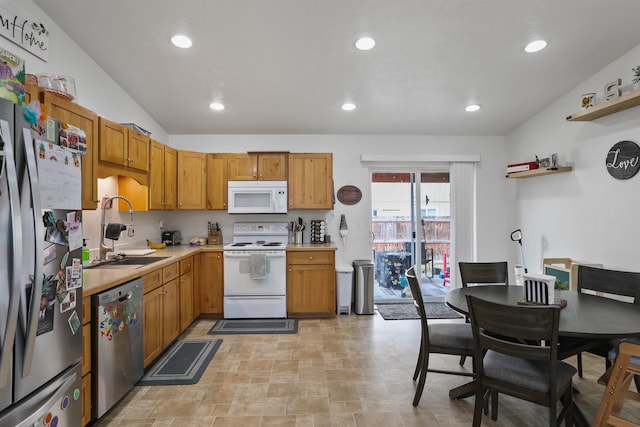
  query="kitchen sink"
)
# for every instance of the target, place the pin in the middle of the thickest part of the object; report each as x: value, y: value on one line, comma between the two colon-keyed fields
x: 129, y: 262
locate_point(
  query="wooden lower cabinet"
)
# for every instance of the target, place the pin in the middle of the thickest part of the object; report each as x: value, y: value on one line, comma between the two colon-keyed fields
x: 311, y: 283
x: 210, y: 282
x: 187, y: 314
x: 152, y: 338
x: 170, y: 312
x: 86, y: 399
x: 161, y: 314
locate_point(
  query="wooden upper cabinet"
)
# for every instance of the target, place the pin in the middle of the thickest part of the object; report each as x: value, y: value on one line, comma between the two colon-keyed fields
x: 217, y: 181
x: 138, y: 151
x: 242, y: 167
x: 272, y: 166
x: 122, y: 151
x: 113, y: 143
x: 75, y: 115
x: 163, y: 163
x: 170, y: 177
x: 192, y: 167
x: 257, y: 166
x: 310, y: 183
x: 31, y: 93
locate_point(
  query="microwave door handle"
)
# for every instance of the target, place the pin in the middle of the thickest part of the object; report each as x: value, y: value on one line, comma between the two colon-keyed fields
x: 10, y: 275
x: 30, y: 324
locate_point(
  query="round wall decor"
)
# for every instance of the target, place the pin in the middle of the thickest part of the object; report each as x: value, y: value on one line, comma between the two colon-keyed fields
x: 623, y: 160
x: 349, y: 195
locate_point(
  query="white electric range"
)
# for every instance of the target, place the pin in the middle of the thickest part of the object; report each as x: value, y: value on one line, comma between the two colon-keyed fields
x: 255, y: 276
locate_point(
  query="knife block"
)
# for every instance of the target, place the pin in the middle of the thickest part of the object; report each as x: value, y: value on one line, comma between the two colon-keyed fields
x: 215, y: 237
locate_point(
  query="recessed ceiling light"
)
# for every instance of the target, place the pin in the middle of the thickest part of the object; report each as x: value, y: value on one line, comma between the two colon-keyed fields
x: 181, y: 41
x: 472, y: 107
x: 365, y: 43
x: 348, y: 106
x: 217, y: 106
x: 535, y: 46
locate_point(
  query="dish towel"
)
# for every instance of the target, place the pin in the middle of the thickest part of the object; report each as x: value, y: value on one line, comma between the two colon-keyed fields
x: 258, y: 268
x: 113, y: 231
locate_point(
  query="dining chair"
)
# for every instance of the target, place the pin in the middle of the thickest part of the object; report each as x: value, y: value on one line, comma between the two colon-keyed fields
x: 472, y: 273
x: 608, y: 284
x: 482, y: 273
x: 443, y: 337
x: 516, y: 354
x: 625, y: 368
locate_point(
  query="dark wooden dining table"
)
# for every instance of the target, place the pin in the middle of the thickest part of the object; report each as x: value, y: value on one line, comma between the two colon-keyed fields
x: 586, y: 317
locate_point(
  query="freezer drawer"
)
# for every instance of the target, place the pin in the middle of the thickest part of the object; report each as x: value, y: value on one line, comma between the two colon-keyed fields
x: 118, y: 350
x: 58, y: 403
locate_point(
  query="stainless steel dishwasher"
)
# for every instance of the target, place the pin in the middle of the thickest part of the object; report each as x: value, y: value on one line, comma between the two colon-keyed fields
x: 118, y: 352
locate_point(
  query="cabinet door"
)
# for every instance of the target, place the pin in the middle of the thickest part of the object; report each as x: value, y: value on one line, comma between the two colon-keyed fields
x: 31, y: 94
x: 272, y: 166
x: 186, y: 300
x: 170, y: 176
x: 192, y: 180
x: 113, y: 143
x: 87, y: 120
x: 86, y: 399
x: 310, y: 181
x: 156, y: 175
x: 243, y: 167
x: 211, y: 282
x: 170, y: 312
x: 311, y: 289
x: 137, y: 151
x: 217, y: 191
x: 152, y: 338
x: 86, y: 349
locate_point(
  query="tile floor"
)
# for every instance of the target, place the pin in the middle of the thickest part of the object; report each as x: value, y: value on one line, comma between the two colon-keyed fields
x: 351, y: 371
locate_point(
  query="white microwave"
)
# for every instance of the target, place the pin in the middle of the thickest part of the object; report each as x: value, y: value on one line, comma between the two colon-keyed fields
x: 257, y: 197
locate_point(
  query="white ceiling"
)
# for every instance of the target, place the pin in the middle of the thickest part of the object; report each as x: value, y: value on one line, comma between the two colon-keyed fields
x: 286, y: 66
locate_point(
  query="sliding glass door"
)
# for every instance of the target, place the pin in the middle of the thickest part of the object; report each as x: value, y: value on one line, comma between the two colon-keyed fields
x: 411, y: 227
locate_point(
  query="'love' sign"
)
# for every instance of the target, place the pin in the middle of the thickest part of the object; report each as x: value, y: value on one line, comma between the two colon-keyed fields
x: 623, y: 160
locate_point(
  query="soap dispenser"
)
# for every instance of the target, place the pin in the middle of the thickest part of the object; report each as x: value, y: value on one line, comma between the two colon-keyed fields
x: 86, y: 254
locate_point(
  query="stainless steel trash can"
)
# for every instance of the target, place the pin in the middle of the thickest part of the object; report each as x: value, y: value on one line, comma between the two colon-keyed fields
x: 363, y: 286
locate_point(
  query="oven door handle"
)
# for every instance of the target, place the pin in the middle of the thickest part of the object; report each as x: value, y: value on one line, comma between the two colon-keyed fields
x: 246, y: 254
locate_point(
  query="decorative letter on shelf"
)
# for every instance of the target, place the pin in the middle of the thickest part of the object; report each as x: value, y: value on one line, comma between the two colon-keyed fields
x: 612, y: 90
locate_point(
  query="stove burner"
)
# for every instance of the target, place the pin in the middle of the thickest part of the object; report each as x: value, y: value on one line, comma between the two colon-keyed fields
x: 241, y: 244
x: 273, y: 244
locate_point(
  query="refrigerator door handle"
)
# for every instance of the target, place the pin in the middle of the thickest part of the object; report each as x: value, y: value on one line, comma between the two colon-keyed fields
x: 52, y: 401
x: 11, y: 275
x: 31, y: 308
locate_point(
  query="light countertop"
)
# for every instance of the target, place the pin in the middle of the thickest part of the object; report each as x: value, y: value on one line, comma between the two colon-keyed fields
x: 96, y: 280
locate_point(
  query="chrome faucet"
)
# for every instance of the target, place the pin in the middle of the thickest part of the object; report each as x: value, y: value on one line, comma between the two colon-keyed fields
x: 104, y: 249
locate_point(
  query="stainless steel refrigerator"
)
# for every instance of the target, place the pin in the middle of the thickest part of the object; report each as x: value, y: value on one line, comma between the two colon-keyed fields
x: 40, y: 274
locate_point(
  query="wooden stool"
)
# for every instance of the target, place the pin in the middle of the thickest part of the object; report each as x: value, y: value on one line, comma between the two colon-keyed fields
x: 626, y: 366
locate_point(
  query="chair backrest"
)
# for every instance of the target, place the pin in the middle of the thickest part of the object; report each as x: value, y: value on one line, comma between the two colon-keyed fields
x: 515, y: 331
x: 416, y: 292
x: 612, y: 282
x: 483, y: 272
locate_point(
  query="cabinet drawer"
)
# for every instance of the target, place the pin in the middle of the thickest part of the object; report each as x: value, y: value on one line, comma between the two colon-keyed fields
x: 186, y: 265
x: 152, y: 280
x: 170, y: 272
x: 310, y: 257
x: 86, y: 310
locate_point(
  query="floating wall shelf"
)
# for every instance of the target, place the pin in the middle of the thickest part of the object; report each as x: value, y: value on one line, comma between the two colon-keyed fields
x: 539, y: 171
x: 621, y: 103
